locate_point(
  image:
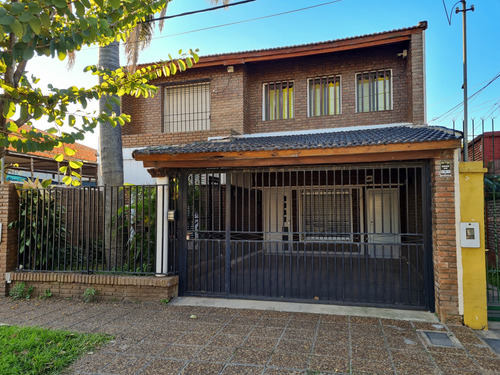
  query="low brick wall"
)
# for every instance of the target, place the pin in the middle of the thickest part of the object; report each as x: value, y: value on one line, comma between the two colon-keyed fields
x: 108, y: 287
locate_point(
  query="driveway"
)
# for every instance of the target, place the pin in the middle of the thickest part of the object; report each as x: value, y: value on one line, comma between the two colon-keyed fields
x: 152, y: 338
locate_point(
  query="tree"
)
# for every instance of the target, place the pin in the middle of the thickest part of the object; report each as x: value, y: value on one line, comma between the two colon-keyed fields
x: 110, y: 139
x: 30, y: 28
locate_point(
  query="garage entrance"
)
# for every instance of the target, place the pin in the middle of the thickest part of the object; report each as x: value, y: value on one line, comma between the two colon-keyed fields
x: 350, y: 234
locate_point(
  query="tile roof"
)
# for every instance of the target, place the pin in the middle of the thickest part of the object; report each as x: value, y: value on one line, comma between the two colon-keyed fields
x: 421, y: 25
x: 83, y: 153
x: 352, y: 40
x: 336, y: 138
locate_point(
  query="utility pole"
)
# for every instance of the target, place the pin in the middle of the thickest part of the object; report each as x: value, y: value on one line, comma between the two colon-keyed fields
x: 464, y: 36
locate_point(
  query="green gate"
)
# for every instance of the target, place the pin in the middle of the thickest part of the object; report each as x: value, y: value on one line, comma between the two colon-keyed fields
x: 492, y: 229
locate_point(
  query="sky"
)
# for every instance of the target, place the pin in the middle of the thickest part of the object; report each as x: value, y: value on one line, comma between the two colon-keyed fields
x: 276, y: 23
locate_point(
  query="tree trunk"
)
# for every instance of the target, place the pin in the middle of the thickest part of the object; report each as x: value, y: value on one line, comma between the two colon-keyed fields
x: 110, y: 175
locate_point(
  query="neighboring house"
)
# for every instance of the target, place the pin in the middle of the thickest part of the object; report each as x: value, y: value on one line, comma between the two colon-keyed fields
x: 41, y: 164
x: 306, y: 173
x: 486, y: 148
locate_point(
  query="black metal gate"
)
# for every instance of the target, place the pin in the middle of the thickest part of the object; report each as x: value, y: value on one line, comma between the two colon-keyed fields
x: 351, y: 234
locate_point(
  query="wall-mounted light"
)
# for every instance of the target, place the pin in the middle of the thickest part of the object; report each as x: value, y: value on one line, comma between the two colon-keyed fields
x: 403, y: 54
x: 230, y: 69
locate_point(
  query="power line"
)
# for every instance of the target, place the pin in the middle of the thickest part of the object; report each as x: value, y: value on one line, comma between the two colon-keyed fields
x: 248, y: 20
x: 197, y: 11
x: 470, y: 97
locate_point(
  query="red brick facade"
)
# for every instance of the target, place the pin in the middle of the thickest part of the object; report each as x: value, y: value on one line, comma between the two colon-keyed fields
x: 107, y: 287
x: 444, y: 239
x: 237, y: 104
x: 9, y: 211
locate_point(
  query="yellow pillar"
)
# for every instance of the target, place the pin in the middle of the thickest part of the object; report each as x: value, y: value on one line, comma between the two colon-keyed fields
x: 473, y: 259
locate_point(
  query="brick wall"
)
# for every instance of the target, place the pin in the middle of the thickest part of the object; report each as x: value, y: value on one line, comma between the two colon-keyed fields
x: 227, y: 109
x: 236, y: 98
x: 108, y: 287
x: 8, y: 245
x: 444, y: 240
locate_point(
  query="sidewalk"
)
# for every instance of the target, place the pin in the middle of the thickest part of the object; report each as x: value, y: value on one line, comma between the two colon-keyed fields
x: 151, y: 338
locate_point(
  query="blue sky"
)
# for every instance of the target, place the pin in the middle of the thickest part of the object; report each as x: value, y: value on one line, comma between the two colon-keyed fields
x: 333, y: 20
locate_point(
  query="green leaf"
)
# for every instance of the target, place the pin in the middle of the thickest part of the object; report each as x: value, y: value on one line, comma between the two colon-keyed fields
x: 69, y: 151
x: 35, y: 25
x: 12, y: 127
x: 115, y: 4
x: 75, y: 164
x: 7, y: 20
x: 61, y: 4
x: 75, y: 183
x: 77, y: 175
x: 86, y: 3
x: 63, y: 169
x: 9, y: 109
x: 17, y: 28
x: 61, y: 54
x: 100, y: 3
x: 59, y: 158
x: 25, y: 17
x: 80, y: 9
x: 45, y: 20
x: 66, y: 180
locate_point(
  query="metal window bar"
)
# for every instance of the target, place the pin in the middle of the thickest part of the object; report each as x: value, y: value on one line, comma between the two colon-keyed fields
x: 374, y: 91
x: 324, y: 96
x: 278, y: 100
x: 187, y: 107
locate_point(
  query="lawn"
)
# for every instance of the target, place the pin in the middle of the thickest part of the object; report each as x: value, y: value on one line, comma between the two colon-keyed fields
x: 32, y: 350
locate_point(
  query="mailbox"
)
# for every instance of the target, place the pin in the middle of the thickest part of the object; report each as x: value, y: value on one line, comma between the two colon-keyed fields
x: 469, y: 235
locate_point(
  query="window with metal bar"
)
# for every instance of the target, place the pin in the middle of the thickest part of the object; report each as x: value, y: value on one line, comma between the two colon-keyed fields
x: 187, y: 107
x: 327, y: 214
x: 278, y: 98
x: 323, y: 96
x: 374, y: 91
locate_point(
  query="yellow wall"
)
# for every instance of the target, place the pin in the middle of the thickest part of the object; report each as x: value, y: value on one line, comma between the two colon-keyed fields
x: 473, y: 259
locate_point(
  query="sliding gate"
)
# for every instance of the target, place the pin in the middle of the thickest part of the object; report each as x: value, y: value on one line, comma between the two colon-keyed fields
x: 332, y: 234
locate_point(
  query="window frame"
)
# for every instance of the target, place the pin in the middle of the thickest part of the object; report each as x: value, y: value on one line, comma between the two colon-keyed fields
x: 266, y: 106
x: 391, y: 93
x: 206, y: 122
x: 347, y: 192
x: 336, y: 77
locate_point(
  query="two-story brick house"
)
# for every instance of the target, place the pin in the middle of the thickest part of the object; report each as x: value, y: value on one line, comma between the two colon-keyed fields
x: 339, y: 191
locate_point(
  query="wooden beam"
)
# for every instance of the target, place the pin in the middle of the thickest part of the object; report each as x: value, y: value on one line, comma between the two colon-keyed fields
x: 291, y: 52
x: 310, y: 160
x: 274, y: 154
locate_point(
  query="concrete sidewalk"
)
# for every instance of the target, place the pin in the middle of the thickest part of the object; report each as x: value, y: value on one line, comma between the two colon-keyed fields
x: 151, y: 338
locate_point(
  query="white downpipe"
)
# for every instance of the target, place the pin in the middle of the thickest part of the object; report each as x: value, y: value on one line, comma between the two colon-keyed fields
x: 460, y: 270
x: 162, y: 226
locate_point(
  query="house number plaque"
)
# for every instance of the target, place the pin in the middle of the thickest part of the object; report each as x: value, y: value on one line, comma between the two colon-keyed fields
x: 445, y: 168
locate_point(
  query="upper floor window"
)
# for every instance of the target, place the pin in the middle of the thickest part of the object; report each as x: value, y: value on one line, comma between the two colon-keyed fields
x: 278, y: 100
x: 187, y: 107
x: 323, y: 96
x: 374, y: 91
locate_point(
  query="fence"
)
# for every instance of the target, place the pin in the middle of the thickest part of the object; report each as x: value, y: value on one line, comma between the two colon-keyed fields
x: 95, y: 230
x: 485, y: 147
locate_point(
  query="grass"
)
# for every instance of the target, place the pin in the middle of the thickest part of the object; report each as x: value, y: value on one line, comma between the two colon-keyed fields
x: 33, y: 350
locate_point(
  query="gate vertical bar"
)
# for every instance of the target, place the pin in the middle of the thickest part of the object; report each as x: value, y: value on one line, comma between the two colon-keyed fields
x: 427, y: 232
x: 182, y: 232
x: 228, y: 235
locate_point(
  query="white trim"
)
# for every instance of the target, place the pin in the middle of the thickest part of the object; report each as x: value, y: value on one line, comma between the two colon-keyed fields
x: 318, y: 131
x: 460, y: 270
x: 162, y: 226
x: 424, y: 76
